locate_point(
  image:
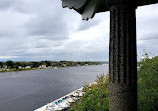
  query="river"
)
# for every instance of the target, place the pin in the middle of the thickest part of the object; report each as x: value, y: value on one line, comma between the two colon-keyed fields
x: 29, y: 90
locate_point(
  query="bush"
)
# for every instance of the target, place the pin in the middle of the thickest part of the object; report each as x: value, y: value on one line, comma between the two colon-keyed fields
x: 148, y: 84
x: 96, y: 96
x: 93, y: 100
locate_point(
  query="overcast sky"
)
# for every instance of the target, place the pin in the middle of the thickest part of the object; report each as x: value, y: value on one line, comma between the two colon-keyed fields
x: 34, y: 30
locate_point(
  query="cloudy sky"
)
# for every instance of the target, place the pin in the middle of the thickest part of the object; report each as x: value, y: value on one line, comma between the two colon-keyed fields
x: 34, y: 30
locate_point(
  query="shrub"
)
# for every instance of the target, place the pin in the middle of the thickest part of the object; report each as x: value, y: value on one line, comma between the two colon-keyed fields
x: 93, y: 100
x: 96, y: 96
x: 148, y: 84
x: 102, y: 82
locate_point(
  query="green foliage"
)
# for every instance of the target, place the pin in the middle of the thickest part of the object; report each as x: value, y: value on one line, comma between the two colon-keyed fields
x: 93, y: 100
x: 10, y: 64
x: 96, y: 96
x: 19, y: 66
x: 86, y: 87
x: 102, y: 82
x: 148, y: 84
x: 1, y: 64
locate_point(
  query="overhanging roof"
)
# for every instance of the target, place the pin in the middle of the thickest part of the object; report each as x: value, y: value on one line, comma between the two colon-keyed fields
x: 88, y: 8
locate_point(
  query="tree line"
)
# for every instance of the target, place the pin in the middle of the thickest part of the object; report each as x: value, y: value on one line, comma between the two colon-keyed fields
x: 34, y: 64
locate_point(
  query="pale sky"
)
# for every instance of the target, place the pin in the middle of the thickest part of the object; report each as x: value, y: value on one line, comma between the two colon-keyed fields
x: 35, y: 30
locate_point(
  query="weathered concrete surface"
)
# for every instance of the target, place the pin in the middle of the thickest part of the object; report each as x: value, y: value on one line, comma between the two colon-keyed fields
x: 122, y: 58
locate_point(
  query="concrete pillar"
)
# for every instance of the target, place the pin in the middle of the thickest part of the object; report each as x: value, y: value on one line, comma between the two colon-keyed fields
x: 122, y: 57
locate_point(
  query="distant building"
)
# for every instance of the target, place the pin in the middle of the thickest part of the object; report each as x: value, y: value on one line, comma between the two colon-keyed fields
x: 42, y: 66
x: 20, y: 67
x: 64, y: 65
x: 27, y: 67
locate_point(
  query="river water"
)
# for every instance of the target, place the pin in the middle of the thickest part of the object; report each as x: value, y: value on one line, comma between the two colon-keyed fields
x: 29, y: 90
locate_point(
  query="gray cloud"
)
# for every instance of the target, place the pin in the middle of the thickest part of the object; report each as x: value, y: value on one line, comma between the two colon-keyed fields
x: 16, y: 5
x: 147, y: 25
x: 150, y: 36
x: 43, y: 30
x: 6, y: 4
x: 48, y: 23
x: 87, y: 25
x: 5, y: 34
x: 49, y: 27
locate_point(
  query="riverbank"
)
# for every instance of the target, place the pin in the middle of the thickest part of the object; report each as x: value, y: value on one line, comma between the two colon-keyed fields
x: 26, y: 69
x: 9, y: 65
x: 15, y: 70
x: 63, y: 103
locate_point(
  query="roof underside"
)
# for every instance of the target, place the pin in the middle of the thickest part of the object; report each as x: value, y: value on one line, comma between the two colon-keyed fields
x: 88, y: 8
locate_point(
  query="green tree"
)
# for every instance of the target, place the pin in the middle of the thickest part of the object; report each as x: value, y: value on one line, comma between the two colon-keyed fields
x: 35, y: 64
x: 23, y: 64
x: 48, y: 63
x: 148, y: 84
x: 10, y: 64
x: 1, y: 64
x: 16, y: 65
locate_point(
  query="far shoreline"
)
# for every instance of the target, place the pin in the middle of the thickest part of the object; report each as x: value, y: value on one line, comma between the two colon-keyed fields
x: 29, y: 69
